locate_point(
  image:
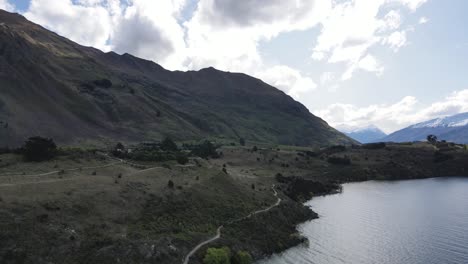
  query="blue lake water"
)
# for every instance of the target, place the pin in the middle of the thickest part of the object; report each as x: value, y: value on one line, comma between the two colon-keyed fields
x: 375, y: 222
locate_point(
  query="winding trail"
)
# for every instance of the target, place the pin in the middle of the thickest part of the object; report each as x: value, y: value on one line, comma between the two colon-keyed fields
x: 218, y: 231
x: 119, y: 161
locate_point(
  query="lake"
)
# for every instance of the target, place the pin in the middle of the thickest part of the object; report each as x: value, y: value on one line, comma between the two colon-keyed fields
x: 387, y: 222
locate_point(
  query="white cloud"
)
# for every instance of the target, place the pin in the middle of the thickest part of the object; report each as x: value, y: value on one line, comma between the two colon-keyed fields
x: 5, y: 5
x: 226, y: 34
x: 406, y: 112
x: 145, y: 28
x: 353, y: 27
x: 149, y: 29
x: 423, y: 20
x: 287, y: 79
x: 396, y: 40
x: 85, y: 23
x: 411, y: 4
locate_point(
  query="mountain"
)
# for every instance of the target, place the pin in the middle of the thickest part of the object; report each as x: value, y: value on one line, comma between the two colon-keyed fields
x: 452, y: 128
x: 53, y: 87
x: 366, y: 134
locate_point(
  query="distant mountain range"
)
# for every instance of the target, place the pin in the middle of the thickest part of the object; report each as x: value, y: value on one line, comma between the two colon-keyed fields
x: 451, y: 128
x: 363, y: 134
x: 53, y: 87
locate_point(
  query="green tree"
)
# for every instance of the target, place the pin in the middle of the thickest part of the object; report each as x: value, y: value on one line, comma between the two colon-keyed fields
x: 217, y: 256
x: 168, y: 145
x: 39, y: 149
x: 242, y: 257
x: 432, y: 139
x: 205, y: 150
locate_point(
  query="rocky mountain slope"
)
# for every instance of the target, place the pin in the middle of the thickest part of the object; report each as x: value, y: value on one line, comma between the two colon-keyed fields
x: 451, y: 128
x: 53, y: 87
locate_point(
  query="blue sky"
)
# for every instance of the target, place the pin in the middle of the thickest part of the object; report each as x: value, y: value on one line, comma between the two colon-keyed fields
x: 388, y: 63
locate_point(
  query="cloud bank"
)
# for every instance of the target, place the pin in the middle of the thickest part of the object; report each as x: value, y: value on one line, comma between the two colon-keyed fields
x: 392, y: 117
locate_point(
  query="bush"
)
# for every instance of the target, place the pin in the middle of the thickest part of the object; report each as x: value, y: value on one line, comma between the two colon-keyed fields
x: 339, y: 160
x: 217, y: 256
x: 205, y: 150
x: 170, y: 184
x: 168, y: 145
x: 379, y: 145
x: 242, y: 141
x: 441, y: 157
x: 119, y: 150
x: 242, y: 257
x: 39, y: 149
x: 334, y: 149
x: 182, y: 159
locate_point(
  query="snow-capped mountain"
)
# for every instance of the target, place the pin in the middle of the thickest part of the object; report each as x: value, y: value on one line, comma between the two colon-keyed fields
x: 451, y: 128
x: 363, y: 134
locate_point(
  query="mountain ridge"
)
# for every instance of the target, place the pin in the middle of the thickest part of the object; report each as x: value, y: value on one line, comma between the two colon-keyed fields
x: 365, y: 134
x: 452, y: 128
x: 56, y: 88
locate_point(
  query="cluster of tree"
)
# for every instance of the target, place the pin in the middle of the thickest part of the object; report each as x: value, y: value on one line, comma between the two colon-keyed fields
x: 36, y: 149
x: 224, y: 256
x: 205, y: 149
x: 165, y: 151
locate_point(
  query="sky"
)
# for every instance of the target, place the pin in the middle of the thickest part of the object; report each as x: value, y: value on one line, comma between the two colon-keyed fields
x: 354, y: 63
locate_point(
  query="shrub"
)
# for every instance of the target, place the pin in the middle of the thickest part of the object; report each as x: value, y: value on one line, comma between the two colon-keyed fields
x: 182, y: 159
x: 242, y: 141
x: 242, y: 257
x: 379, y: 145
x: 441, y: 157
x: 168, y: 145
x: 254, y: 149
x: 119, y: 150
x: 39, y: 149
x: 339, y: 160
x: 217, y: 256
x: 334, y: 149
x: 311, y: 153
x: 205, y: 150
x: 170, y: 184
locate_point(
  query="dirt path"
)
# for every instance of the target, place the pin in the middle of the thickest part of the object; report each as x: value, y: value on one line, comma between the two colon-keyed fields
x: 218, y: 231
x: 119, y: 161
x: 57, y: 171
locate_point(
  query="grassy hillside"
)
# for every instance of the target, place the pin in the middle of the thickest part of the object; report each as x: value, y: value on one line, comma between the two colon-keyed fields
x: 85, y: 207
x: 56, y: 88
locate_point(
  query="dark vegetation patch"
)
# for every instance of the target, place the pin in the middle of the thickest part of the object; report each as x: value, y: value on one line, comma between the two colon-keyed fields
x: 104, y: 83
x: 301, y: 190
x: 280, y: 225
x: 336, y: 160
x: 379, y: 145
